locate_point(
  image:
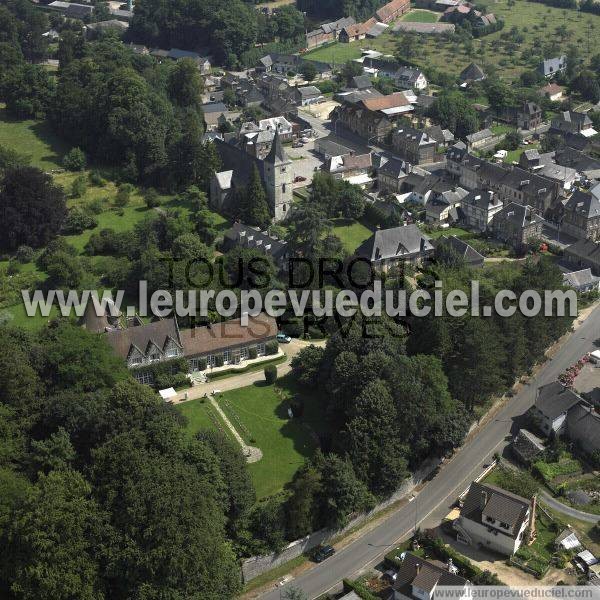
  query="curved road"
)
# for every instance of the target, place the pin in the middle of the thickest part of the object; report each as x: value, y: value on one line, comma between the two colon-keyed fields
x: 436, y: 498
x: 554, y: 504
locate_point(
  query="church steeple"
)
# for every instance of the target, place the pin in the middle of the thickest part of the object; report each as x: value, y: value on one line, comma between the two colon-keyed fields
x: 277, y: 155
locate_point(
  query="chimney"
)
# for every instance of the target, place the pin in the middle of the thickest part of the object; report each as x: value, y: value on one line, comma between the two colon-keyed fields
x: 484, y: 499
x: 418, y: 568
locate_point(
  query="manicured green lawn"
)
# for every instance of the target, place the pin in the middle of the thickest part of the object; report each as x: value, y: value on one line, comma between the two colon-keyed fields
x: 33, y: 138
x: 421, y: 16
x: 201, y: 415
x: 515, y: 155
x: 566, y: 465
x: 351, y: 232
x: 260, y: 413
x: 336, y: 53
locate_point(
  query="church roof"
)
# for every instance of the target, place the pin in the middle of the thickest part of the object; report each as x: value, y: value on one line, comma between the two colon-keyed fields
x: 277, y: 155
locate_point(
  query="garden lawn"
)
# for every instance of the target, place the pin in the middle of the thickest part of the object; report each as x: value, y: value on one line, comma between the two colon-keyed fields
x: 259, y: 412
x: 539, y: 554
x: 421, y: 16
x: 34, y: 139
x: 567, y: 465
x: 351, y: 232
x: 336, y: 53
x: 201, y: 415
x: 457, y: 231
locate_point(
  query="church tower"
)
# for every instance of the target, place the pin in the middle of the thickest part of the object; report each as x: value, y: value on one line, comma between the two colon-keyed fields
x: 278, y: 179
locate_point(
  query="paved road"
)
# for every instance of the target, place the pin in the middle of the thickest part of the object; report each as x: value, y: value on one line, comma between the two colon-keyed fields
x: 436, y: 498
x: 568, y: 510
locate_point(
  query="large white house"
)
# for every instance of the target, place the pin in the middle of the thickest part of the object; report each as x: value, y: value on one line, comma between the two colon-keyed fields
x: 493, y: 518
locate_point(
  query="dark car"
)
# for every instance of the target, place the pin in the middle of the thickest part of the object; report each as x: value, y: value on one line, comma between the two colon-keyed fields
x: 323, y: 552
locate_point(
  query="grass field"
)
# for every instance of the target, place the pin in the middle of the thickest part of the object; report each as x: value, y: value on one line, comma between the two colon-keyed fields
x: 201, y: 415
x: 457, y: 231
x: 352, y: 233
x: 537, y: 22
x: 285, y: 443
x: 33, y: 138
x: 421, y: 16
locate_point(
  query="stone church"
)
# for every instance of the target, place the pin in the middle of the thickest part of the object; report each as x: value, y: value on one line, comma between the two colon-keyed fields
x: 275, y: 172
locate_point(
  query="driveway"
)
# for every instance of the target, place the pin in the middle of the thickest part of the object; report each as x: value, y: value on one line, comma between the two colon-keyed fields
x: 554, y: 504
x: 434, y: 501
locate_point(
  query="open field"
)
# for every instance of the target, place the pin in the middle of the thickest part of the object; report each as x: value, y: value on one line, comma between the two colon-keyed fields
x: 201, y: 415
x: 351, y: 232
x: 537, y: 22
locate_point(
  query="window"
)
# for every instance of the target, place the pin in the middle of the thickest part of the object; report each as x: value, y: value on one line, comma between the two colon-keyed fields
x: 284, y: 208
x: 244, y: 353
x: 505, y: 525
x: 136, y: 360
x: 260, y: 349
x: 144, y: 377
x: 172, y: 351
x: 154, y: 357
x: 283, y: 188
x: 489, y: 519
x: 226, y: 357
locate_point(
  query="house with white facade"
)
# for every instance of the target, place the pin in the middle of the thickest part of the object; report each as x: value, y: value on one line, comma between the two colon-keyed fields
x: 493, y: 518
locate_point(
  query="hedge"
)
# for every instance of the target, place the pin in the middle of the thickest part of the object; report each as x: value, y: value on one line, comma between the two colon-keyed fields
x: 270, y: 374
x: 271, y: 347
x: 359, y: 588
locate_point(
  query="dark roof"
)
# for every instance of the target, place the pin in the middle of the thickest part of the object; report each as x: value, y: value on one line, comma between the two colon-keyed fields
x: 485, y: 500
x: 527, y: 445
x: 397, y: 242
x: 252, y: 237
x: 424, y: 574
x: 554, y: 399
x: 520, y: 215
x: 361, y: 82
x: 158, y: 333
x: 464, y: 250
x: 586, y: 249
x: 213, y: 107
x: 481, y: 198
x: 394, y: 168
x: 219, y: 336
x: 472, y: 72
x: 585, y: 204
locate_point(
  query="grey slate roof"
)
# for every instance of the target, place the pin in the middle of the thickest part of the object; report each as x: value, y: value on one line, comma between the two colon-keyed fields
x: 361, y: 82
x: 472, y: 72
x: 424, y: 574
x: 464, y: 250
x: 394, y: 168
x: 580, y: 279
x: 586, y: 204
x: 479, y: 136
x: 252, y: 237
x: 485, y: 500
x: 519, y: 214
x: 527, y: 445
x: 141, y: 337
x: 554, y: 399
x: 397, y: 242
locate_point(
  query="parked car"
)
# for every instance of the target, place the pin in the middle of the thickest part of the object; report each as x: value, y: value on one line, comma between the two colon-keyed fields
x: 299, y: 178
x: 323, y: 552
x: 297, y: 145
x: 282, y: 338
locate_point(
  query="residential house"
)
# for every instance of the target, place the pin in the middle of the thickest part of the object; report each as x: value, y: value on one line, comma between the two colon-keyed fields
x: 348, y: 166
x: 478, y: 209
x: 355, y: 32
x: 479, y: 139
x: 565, y: 177
x: 442, y: 209
x: 529, y: 116
x: 376, y: 28
x: 328, y: 32
x: 72, y: 10
x: 360, y: 82
x: 246, y: 236
x: 471, y: 73
x: 142, y: 345
x: 582, y: 281
x: 527, y: 446
x: 407, y: 78
x: 466, y: 252
x: 494, y: 519
x: 309, y: 94
x: 581, y: 216
x: 391, y: 176
x: 413, y: 145
x: 390, y: 247
x: 553, y: 92
x: 332, y: 145
x: 531, y: 159
x: 533, y: 189
x: 580, y: 161
x: 424, y: 186
x: 229, y: 341
x: 392, y: 11
x: 419, y: 579
x: 203, y: 63
x: 291, y: 63
x: 443, y: 137
x: 549, y: 67
x: 584, y: 254
x: 560, y: 411
x: 516, y: 225
x: 572, y: 122
x: 384, y: 66
x: 275, y: 171
x: 214, y: 114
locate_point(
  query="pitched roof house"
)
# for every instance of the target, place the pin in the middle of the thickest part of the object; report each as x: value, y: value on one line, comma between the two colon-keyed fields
x: 517, y: 224
x: 493, y: 518
x: 472, y: 72
x: 392, y: 10
x: 418, y: 579
x: 247, y: 236
x: 527, y: 446
x: 465, y: 251
x: 413, y: 145
x: 581, y: 217
x: 388, y: 247
x: 583, y: 254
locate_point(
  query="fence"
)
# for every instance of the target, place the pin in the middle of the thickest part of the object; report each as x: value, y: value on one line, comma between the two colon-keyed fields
x: 257, y: 565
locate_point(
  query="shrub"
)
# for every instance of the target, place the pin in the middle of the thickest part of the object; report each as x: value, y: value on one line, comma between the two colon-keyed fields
x: 78, y: 186
x: 202, y: 364
x: 270, y: 374
x: 78, y: 221
x: 271, y: 347
x: 151, y: 198
x: 123, y: 196
x: 24, y: 254
x: 12, y: 267
x: 219, y: 360
x: 166, y: 381
x: 74, y: 160
x: 97, y: 179
x: 252, y: 352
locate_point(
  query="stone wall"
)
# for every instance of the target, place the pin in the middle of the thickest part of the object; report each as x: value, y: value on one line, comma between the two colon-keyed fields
x: 257, y: 565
